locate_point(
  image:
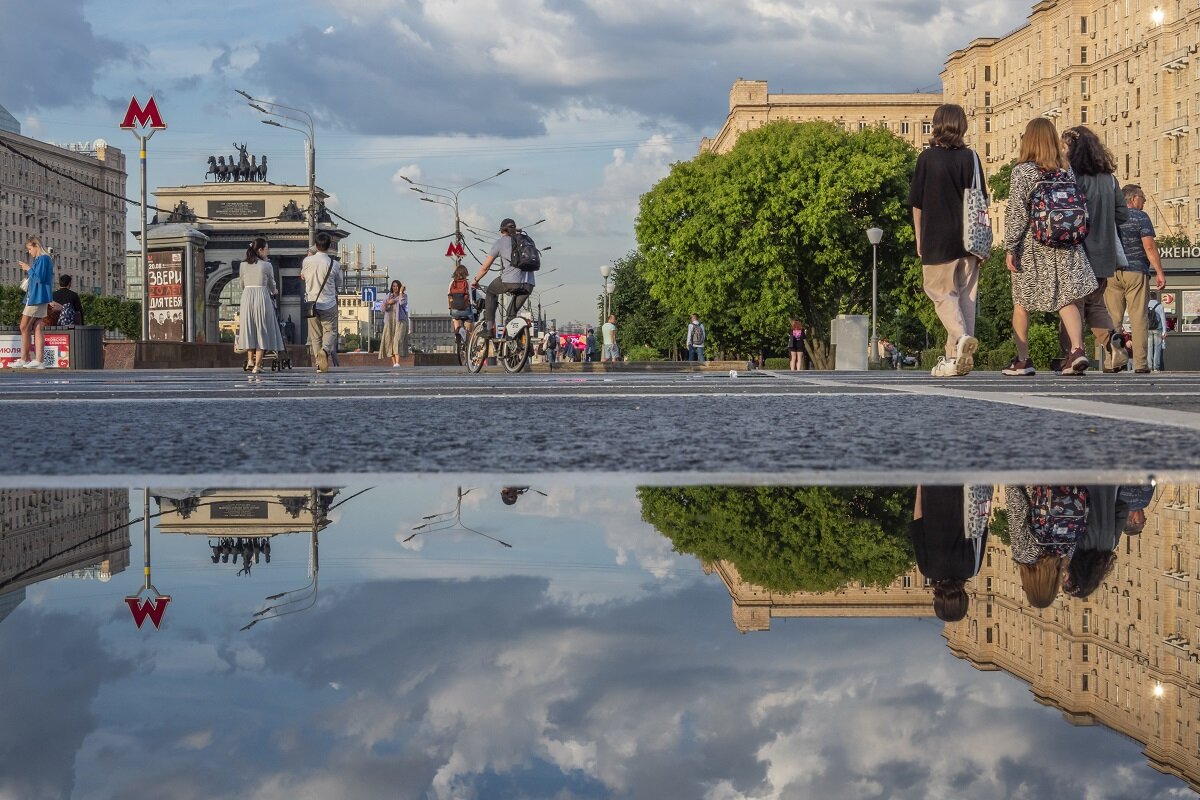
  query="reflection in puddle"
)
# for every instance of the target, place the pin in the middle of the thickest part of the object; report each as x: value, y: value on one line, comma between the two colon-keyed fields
x: 502, y: 641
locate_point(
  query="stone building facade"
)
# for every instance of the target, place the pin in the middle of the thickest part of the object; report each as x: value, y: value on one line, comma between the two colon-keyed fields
x: 1130, y: 70
x: 85, y: 228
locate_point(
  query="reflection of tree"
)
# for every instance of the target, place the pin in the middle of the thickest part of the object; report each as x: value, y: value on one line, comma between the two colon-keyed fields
x: 789, y: 539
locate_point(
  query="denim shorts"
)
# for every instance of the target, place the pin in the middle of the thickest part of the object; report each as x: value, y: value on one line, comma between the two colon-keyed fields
x: 467, y: 314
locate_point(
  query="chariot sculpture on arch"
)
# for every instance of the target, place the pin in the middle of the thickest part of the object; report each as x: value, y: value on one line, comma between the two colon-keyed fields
x: 242, y: 167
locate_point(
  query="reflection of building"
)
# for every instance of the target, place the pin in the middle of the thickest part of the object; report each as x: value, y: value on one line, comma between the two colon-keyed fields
x: 47, y: 533
x: 243, y: 512
x: 1100, y: 660
x: 85, y: 228
x: 754, y: 607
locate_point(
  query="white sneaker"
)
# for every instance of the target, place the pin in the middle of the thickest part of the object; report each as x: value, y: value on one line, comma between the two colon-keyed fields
x: 36, y: 365
x: 945, y: 368
x: 964, y: 355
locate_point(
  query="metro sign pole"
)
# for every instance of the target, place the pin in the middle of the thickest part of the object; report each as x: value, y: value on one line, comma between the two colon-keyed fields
x: 139, y: 119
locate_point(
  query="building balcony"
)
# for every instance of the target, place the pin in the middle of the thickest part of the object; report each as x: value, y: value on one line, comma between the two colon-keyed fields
x: 1176, y: 127
x: 1054, y: 111
x: 1179, y: 59
x: 1176, y: 195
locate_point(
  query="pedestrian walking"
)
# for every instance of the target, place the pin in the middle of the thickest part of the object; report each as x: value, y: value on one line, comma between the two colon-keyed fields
x: 796, y: 337
x: 395, y: 323
x: 1094, y: 166
x: 38, y: 285
x: 258, y: 330
x: 1044, y: 525
x: 695, y: 338
x: 1156, y: 322
x: 590, y: 346
x: 552, y: 347
x: 321, y: 274
x: 66, y: 309
x: 945, y: 171
x: 1130, y: 285
x: 947, y: 554
x: 1045, y: 277
x: 608, y: 332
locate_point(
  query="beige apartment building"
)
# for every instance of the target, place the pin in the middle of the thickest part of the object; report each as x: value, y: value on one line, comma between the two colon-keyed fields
x: 1128, y: 69
x: 1128, y: 658
x: 85, y: 228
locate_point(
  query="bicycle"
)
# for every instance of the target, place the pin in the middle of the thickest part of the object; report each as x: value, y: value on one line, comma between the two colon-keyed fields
x: 513, y: 347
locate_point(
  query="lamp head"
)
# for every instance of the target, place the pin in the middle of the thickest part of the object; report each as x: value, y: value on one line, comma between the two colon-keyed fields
x: 875, y: 235
x: 605, y: 271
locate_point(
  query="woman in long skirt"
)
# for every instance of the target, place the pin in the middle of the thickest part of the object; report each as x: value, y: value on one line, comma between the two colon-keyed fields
x: 395, y: 323
x: 259, y: 328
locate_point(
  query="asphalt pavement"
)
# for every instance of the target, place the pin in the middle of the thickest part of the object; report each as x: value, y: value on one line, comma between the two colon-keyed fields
x: 223, y: 427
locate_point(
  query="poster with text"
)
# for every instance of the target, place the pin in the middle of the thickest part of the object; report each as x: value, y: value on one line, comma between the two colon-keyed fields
x: 56, y: 354
x: 164, y: 292
x: 1189, y: 312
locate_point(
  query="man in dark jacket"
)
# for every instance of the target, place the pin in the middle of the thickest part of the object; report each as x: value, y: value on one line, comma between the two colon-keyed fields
x: 65, y: 297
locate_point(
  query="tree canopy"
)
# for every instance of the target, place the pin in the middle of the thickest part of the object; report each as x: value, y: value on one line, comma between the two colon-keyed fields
x: 776, y: 228
x: 789, y: 539
x: 642, y: 320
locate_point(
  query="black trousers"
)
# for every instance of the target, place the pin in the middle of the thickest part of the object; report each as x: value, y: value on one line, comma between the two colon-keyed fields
x: 519, y: 291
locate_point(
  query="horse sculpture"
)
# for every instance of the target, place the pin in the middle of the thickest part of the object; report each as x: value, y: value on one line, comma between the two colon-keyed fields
x: 262, y: 169
x: 212, y: 169
x: 243, y: 167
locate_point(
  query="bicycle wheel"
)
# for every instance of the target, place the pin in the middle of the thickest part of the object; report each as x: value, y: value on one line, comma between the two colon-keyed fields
x: 516, y: 351
x: 477, y: 349
x: 460, y: 348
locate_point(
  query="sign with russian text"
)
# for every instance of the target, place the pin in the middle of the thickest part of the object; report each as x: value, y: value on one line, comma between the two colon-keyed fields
x: 164, y: 296
x: 237, y: 209
x: 55, y: 354
x: 239, y: 509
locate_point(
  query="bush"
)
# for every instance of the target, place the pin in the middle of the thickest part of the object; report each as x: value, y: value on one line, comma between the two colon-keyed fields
x: 779, y: 363
x: 1043, y: 343
x: 642, y: 352
x: 111, y: 313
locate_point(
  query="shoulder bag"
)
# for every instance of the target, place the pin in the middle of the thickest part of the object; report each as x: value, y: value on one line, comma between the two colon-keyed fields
x: 977, y: 225
x: 308, y: 308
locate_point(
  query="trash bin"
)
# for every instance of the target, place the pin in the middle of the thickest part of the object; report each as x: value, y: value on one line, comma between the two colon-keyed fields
x: 87, y: 347
x: 850, y: 335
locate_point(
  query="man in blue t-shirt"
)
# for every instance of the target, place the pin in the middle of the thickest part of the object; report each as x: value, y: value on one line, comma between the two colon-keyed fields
x: 1129, y: 285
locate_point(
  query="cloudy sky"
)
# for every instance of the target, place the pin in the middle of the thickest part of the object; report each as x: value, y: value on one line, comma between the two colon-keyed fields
x: 587, y: 102
x: 587, y: 661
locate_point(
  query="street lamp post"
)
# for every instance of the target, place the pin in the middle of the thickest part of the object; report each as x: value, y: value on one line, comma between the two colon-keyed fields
x: 310, y: 133
x: 606, y: 290
x: 448, y: 195
x: 874, y: 236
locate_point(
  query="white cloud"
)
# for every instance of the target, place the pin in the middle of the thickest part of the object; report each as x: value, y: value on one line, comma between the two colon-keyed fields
x: 329, y: 30
x: 410, y: 171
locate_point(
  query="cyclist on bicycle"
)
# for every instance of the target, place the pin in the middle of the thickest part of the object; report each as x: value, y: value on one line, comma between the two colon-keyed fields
x: 460, y: 299
x: 516, y: 282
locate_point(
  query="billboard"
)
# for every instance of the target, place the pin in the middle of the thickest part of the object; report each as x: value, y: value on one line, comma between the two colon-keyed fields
x: 164, y: 294
x: 57, y: 351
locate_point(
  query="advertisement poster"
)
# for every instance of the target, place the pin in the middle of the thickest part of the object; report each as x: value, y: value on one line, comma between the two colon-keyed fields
x: 164, y: 291
x: 1168, y: 301
x: 1189, y: 311
x: 56, y: 354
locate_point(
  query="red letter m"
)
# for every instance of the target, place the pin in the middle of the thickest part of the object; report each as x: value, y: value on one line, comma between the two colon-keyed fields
x: 145, y: 117
x: 154, y: 609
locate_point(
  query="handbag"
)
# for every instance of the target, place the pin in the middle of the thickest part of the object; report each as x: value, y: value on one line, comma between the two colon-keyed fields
x: 24, y: 284
x: 308, y: 308
x: 977, y: 225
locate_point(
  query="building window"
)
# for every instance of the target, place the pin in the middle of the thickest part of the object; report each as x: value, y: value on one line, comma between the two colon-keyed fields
x: 1083, y: 115
x: 905, y: 128
x: 1085, y: 655
x: 987, y: 98
x: 989, y: 635
x: 1083, y: 24
x: 1085, y: 683
x: 1083, y: 54
x: 906, y: 582
x: 987, y: 73
x: 926, y: 128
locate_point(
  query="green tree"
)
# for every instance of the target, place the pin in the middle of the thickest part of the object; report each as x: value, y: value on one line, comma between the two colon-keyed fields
x: 789, y: 539
x: 1000, y: 182
x: 776, y: 228
x: 642, y: 320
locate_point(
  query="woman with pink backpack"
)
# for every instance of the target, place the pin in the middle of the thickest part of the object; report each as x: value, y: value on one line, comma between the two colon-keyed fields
x: 1044, y: 229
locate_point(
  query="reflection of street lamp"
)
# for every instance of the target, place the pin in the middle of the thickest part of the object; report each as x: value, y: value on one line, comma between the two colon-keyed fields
x: 605, y: 297
x: 448, y: 195
x: 874, y: 236
x: 310, y: 134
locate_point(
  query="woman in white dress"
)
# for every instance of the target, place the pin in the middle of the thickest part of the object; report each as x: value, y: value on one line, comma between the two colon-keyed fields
x: 259, y: 328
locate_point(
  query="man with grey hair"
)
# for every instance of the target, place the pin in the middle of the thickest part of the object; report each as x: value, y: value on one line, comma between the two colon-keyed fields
x: 1130, y: 284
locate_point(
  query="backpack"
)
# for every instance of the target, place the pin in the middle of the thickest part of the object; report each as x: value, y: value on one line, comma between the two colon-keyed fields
x: 1152, y: 317
x: 1058, y: 210
x: 459, y: 290
x: 1058, y: 516
x: 698, y: 334
x: 66, y: 317
x: 525, y: 255
x: 552, y: 341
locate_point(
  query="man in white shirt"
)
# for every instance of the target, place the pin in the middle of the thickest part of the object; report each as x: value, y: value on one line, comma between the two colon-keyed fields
x: 320, y: 274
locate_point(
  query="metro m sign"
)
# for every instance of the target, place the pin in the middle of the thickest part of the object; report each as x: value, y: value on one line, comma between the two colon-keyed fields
x: 144, y: 117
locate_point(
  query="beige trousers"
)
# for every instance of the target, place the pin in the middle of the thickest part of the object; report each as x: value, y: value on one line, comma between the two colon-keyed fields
x: 1127, y: 289
x: 954, y: 289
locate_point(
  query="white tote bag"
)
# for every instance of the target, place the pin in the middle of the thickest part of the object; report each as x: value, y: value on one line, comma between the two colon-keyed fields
x: 977, y: 225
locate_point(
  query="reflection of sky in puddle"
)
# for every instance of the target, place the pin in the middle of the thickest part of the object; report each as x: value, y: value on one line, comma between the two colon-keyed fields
x: 589, y: 660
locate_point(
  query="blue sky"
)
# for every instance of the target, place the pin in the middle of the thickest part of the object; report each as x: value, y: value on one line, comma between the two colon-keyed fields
x: 586, y: 102
x: 587, y: 661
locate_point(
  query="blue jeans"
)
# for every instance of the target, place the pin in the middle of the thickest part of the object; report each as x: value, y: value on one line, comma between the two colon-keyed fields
x: 696, y: 353
x: 1155, y: 341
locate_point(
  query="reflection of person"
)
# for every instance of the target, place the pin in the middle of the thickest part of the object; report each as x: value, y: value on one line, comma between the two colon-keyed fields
x: 395, y: 323
x: 1137, y: 498
x: 945, y: 553
x: 1044, y: 523
x: 1095, y: 553
x: 38, y: 295
x: 509, y: 494
x: 259, y: 328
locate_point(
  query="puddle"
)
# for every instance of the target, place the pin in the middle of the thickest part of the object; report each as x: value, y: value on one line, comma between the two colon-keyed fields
x: 432, y: 639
